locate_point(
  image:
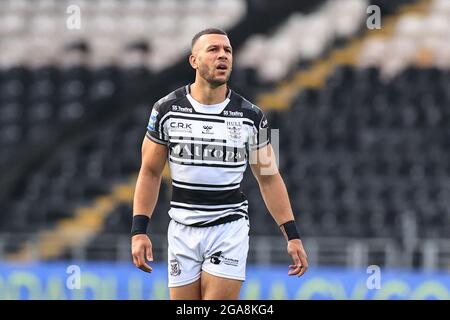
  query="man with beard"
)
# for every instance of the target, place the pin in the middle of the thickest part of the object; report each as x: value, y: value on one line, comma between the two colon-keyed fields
x: 208, y: 133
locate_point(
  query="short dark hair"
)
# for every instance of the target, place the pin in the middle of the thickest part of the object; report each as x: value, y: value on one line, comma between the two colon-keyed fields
x: 207, y: 31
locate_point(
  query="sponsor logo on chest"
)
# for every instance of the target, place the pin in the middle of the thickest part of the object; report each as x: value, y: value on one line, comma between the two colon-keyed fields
x: 207, y: 129
x: 229, y: 113
x: 180, y: 126
x: 194, y: 151
x: 178, y: 108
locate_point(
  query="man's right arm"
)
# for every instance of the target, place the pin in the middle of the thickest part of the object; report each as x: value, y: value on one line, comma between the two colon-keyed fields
x: 154, y: 157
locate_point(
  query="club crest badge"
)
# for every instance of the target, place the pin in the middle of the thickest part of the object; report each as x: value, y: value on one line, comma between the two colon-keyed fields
x: 175, y: 269
x: 234, y: 130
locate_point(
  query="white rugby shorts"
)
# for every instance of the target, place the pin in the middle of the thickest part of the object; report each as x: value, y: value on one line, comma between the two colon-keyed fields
x: 218, y: 250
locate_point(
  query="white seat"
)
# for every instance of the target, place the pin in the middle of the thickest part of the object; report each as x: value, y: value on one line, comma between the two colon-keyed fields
x: 161, y: 7
x: 45, y: 6
x: 274, y: 70
x: 108, y: 25
x: 164, y: 25
x: 107, y: 7
x: 372, y: 52
x: 12, y: 24
x: 410, y: 26
x: 12, y: 51
x: 104, y: 51
x: 196, y: 6
x: 347, y: 15
x: 17, y: 6
x: 44, y: 25
x: 441, y: 6
x: 438, y: 25
x: 315, y: 34
x: 46, y: 47
x: 252, y: 52
x: 302, y: 36
x: 442, y: 55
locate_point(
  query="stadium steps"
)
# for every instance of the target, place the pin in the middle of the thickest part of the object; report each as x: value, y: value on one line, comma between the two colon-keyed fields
x: 85, y: 224
x: 316, y: 74
x: 72, y: 232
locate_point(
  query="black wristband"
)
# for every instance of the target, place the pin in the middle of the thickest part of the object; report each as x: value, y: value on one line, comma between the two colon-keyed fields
x: 140, y: 223
x: 289, y: 230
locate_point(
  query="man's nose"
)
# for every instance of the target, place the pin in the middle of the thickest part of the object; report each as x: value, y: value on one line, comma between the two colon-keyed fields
x: 222, y: 54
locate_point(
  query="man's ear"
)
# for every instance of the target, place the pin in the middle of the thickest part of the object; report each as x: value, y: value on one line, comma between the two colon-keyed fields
x: 193, y: 61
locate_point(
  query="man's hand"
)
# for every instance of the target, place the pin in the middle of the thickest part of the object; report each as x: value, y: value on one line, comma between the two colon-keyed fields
x: 298, y: 254
x: 141, y: 248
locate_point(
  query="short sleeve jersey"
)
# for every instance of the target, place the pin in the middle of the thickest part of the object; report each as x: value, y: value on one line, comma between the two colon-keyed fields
x: 208, y: 149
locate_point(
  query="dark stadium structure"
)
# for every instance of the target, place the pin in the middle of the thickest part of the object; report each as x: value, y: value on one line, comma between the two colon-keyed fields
x: 362, y: 157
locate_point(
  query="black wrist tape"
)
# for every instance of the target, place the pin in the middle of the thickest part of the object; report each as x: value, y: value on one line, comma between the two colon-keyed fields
x: 289, y: 230
x: 140, y: 223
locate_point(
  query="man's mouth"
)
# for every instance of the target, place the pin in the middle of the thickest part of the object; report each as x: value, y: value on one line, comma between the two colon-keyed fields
x: 222, y: 66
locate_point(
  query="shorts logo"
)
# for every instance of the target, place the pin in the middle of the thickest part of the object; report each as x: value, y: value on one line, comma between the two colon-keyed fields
x: 175, y: 269
x: 218, y: 258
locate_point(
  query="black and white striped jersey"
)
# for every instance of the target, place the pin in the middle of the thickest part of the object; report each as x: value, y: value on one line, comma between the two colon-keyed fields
x: 208, y: 147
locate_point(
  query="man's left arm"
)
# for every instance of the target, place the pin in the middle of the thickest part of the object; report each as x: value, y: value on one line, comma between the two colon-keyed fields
x: 274, y: 193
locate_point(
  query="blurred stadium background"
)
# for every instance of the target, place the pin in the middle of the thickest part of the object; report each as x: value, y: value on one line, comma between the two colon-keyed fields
x: 364, y: 119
